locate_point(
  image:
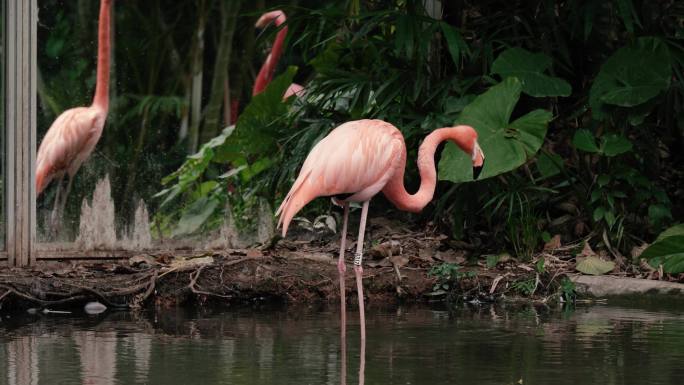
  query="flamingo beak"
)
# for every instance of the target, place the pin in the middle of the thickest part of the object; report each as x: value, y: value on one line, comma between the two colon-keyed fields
x: 261, y: 26
x: 478, y: 160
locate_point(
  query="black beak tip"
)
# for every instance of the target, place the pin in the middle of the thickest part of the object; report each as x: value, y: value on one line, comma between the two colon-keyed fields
x: 477, y: 170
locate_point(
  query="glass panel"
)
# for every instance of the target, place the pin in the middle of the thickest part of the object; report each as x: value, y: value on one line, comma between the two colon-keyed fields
x: 166, y: 100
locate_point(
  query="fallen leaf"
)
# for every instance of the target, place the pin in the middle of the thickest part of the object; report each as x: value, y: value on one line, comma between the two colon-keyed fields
x: 140, y: 259
x: 568, y: 207
x: 525, y: 267
x: 587, y: 251
x: 254, y: 253
x: 326, y: 222
x: 456, y: 257
x: 190, y: 263
x: 426, y: 254
x: 385, y: 262
x: 594, y: 266
x: 385, y: 249
x: 496, y: 259
x: 554, y: 243
x: 399, y: 260
x: 637, y: 250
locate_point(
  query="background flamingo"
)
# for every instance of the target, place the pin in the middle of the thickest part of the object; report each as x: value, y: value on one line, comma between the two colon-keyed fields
x: 357, y: 160
x: 74, y: 134
x: 268, y: 68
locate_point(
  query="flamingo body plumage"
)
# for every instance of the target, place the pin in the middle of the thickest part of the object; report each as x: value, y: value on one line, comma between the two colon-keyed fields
x: 71, y: 139
x: 357, y: 158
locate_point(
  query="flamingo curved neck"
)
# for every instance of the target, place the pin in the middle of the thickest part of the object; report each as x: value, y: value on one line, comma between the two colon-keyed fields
x: 103, y: 51
x: 268, y: 68
x: 395, y: 190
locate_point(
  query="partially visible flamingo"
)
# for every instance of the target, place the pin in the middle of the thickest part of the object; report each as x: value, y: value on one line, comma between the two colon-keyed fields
x: 357, y: 160
x: 268, y: 68
x: 74, y: 134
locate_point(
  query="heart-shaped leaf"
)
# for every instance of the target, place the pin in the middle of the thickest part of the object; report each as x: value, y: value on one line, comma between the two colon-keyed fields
x: 549, y: 164
x: 667, y: 250
x: 614, y: 144
x: 631, y: 76
x: 505, y: 144
x: 584, y: 140
x: 529, y: 68
x: 594, y: 266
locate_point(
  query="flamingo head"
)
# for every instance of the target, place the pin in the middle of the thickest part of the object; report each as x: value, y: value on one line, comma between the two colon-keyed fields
x: 465, y: 137
x: 277, y: 17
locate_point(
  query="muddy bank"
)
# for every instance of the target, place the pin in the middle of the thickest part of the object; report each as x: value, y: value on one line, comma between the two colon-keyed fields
x: 238, y: 277
x: 399, y: 266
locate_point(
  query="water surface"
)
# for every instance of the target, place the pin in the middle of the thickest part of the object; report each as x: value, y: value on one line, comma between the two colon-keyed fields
x: 601, y: 344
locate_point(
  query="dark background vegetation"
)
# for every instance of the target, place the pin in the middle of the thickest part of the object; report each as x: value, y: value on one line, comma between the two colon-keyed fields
x: 608, y: 75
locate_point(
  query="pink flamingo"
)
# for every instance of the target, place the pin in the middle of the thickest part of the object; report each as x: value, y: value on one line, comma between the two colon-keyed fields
x: 74, y: 134
x: 357, y: 160
x: 268, y: 68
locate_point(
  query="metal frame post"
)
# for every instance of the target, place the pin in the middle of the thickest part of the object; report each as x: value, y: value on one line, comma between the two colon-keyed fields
x: 21, y: 19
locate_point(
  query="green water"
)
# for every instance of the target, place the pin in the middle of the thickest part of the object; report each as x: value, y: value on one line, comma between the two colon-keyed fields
x: 600, y: 344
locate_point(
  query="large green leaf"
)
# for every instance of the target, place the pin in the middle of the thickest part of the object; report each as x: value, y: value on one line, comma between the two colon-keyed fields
x: 506, y: 144
x: 549, y: 164
x: 633, y: 75
x: 614, y: 144
x: 584, y: 140
x: 529, y: 68
x: 668, y: 250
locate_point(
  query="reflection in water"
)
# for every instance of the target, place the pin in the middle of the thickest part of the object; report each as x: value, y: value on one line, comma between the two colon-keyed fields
x: 97, y: 351
x: 22, y: 361
x: 141, y: 345
x: 343, y: 355
x: 487, y: 345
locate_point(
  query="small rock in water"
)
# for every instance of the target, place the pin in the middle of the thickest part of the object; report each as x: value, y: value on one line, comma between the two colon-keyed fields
x: 95, y: 308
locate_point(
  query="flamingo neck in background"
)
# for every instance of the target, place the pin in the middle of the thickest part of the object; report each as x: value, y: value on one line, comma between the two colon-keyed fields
x: 268, y: 68
x: 101, y: 99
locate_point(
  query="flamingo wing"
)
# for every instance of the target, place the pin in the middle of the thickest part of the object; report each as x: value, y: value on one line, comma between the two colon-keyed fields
x: 68, y: 142
x: 356, y: 158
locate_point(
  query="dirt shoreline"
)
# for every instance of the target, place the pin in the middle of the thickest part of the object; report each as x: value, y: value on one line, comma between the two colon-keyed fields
x: 398, y: 267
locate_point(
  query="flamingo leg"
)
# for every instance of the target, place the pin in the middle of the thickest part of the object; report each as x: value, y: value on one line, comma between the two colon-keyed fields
x: 66, y: 194
x: 55, y: 215
x: 341, y: 268
x: 358, y: 270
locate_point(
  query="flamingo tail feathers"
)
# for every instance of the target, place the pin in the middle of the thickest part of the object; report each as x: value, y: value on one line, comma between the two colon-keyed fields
x: 300, y: 194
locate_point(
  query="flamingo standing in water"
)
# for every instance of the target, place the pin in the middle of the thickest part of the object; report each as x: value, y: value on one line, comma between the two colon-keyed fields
x: 268, y: 68
x: 74, y: 134
x: 359, y: 159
